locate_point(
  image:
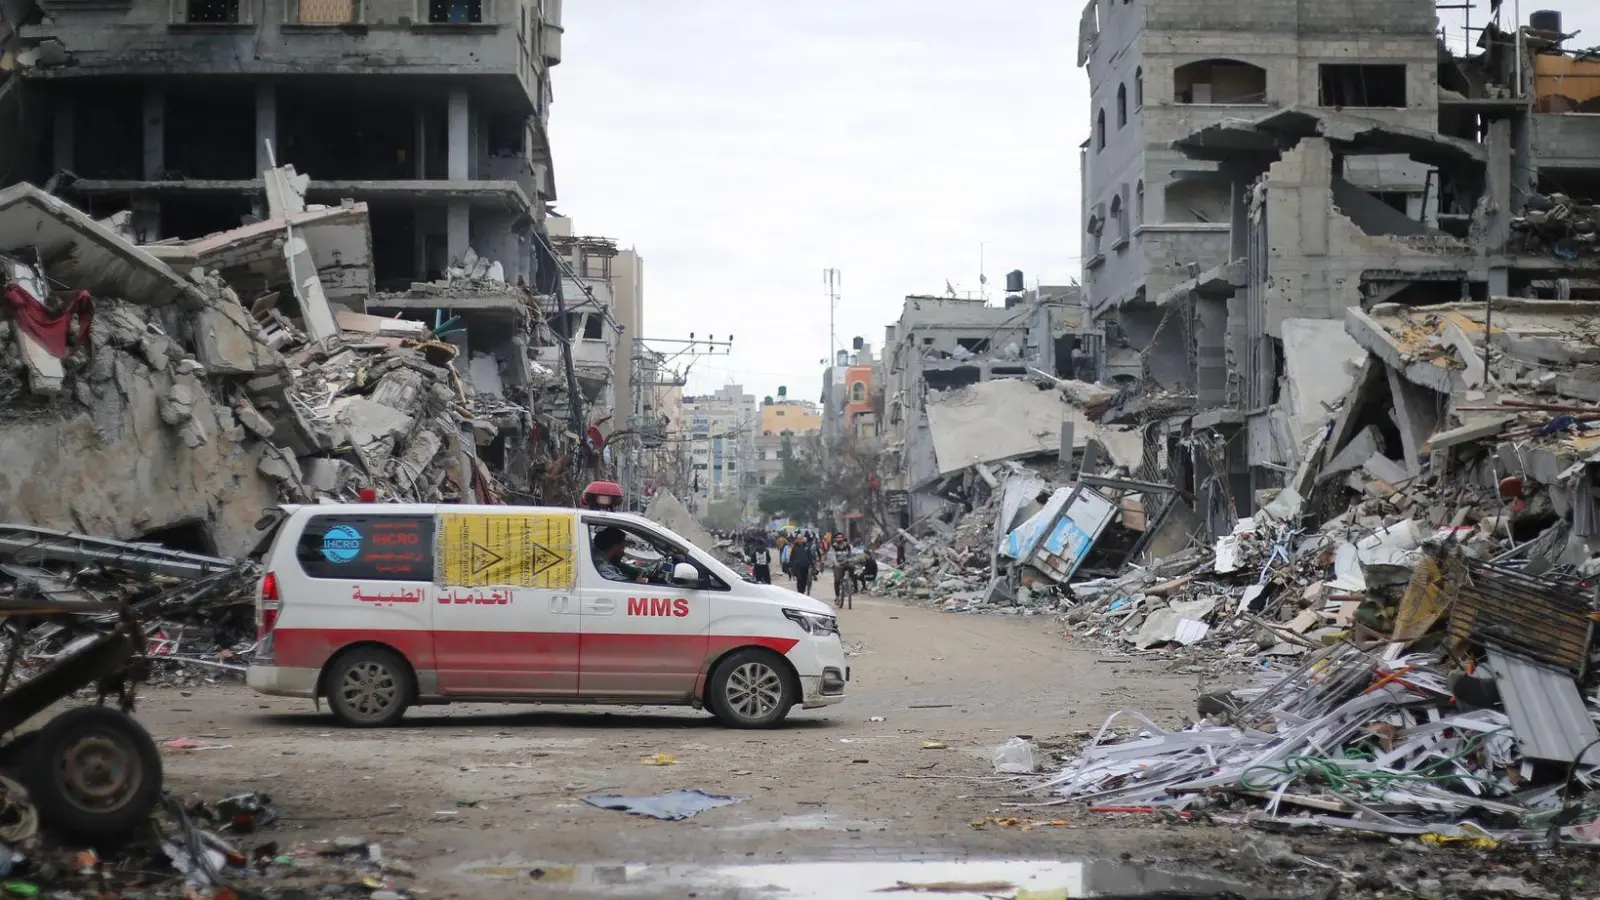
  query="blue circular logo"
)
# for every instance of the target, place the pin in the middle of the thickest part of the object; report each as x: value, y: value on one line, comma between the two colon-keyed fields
x: 341, y: 544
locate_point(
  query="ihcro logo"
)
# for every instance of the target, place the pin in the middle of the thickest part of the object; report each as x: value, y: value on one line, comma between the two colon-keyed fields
x: 341, y: 544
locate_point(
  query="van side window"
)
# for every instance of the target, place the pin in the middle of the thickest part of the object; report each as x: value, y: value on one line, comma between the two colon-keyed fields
x: 367, y: 547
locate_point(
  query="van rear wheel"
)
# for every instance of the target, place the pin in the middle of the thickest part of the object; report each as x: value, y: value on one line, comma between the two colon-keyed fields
x: 752, y: 689
x: 369, y: 687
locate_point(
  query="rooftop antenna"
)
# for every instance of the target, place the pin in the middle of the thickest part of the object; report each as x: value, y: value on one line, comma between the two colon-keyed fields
x: 830, y: 279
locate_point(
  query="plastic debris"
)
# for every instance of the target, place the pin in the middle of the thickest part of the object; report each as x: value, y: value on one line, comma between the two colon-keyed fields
x: 672, y: 807
x: 1015, y: 757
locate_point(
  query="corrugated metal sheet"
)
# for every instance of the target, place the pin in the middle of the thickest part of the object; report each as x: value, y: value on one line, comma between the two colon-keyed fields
x: 1547, y: 712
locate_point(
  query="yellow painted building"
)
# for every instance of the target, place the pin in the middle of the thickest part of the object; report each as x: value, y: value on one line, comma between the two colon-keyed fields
x: 795, y: 416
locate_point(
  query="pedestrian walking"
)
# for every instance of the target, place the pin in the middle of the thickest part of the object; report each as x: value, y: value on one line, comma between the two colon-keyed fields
x: 802, y: 564
x: 761, y: 565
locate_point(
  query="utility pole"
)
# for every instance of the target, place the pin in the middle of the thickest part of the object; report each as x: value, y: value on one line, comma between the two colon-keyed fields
x: 655, y: 367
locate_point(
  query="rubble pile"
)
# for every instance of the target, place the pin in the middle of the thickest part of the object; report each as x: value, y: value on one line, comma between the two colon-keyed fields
x: 1480, y: 728
x: 195, y: 848
x: 187, y: 385
x: 197, y: 612
x: 1559, y: 225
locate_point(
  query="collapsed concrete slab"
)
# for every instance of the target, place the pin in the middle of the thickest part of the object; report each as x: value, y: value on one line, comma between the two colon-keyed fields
x: 74, y: 249
x: 994, y: 421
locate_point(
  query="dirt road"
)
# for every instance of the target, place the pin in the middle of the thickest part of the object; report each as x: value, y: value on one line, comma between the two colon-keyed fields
x: 478, y: 796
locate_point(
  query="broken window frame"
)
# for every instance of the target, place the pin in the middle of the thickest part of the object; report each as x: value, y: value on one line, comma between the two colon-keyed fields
x: 425, y: 17
x: 1193, y: 67
x: 1363, y: 82
x: 182, y: 9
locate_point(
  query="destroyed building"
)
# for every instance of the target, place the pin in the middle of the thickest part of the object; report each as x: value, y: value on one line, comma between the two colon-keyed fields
x: 943, y: 344
x: 377, y: 324
x: 588, y: 320
x: 1439, y: 179
x: 434, y: 114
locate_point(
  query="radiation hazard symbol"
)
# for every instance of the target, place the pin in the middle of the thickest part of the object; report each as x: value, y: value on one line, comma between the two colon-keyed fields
x: 525, y: 551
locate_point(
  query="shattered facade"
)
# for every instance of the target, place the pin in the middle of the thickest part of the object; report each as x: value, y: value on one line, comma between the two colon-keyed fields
x: 435, y: 115
x: 942, y: 344
x: 1370, y: 171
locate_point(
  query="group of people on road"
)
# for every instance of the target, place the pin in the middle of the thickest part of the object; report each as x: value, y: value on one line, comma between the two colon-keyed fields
x: 803, y: 555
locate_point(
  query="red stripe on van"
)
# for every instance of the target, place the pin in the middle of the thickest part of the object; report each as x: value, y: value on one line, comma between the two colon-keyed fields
x: 312, y: 647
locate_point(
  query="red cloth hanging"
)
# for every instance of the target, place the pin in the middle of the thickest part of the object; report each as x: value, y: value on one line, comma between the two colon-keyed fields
x: 50, y: 329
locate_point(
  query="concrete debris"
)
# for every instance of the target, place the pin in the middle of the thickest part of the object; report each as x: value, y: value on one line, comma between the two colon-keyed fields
x: 258, y: 377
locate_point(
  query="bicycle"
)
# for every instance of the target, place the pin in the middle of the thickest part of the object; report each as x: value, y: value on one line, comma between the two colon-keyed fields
x: 844, y: 587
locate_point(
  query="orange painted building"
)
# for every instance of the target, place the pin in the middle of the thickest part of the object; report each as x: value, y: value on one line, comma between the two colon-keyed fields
x: 858, y: 410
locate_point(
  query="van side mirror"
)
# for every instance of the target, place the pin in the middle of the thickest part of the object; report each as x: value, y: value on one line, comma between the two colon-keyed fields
x: 685, y: 573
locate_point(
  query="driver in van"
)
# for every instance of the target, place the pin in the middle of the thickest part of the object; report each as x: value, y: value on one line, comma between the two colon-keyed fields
x: 608, y: 546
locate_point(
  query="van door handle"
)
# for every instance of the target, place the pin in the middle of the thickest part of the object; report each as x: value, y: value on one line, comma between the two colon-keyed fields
x: 562, y: 605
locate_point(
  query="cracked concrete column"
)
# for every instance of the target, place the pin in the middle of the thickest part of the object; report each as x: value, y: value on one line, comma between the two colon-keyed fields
x: 1498, y: 180
x: 155, y: 132
x: 63, y: 137
x: 422, y: 144
x: 266, y: 124
x: 460, y: 119
x: 458, y: 235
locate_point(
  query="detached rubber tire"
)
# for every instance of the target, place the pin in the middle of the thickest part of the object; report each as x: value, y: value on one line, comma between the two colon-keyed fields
x: 93, y: 774
x: 369, y: 687
x: 752, y: 689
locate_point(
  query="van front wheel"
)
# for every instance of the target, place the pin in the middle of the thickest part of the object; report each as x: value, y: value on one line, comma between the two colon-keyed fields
x: 369, y: 687
x: 752, y: 689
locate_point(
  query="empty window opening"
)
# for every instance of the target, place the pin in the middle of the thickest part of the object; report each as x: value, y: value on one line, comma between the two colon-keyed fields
x: 1362, y: 85
x: 858, y: 391
x: 1220, y: 81
x: 1138, y: 88
x: 973, y: 345
x: 506, y: 135
x: 948, y: 379
x: 365, y: 135
x: 455, y: 12
x: 394, y: 245
x: 1197, y: 201
x: 212, y: 12
x: 108, y: 132
x: 927, y: 342
x: 1118, y: 222
x: 1100, y: 131
x: 1122, y: 105
x: 1138, y: 204
x: 210, y: 133
x: 594, y: 328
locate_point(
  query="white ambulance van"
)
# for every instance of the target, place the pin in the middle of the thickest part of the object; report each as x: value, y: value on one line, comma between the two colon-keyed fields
x: 379, y: 607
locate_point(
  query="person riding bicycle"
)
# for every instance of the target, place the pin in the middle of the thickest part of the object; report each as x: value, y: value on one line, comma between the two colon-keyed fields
x: 842, y: 560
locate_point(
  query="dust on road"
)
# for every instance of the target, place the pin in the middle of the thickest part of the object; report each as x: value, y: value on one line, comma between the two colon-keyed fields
x: 472, y: 787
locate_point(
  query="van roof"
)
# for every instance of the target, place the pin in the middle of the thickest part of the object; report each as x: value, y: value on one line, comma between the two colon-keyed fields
x: 428, y: 509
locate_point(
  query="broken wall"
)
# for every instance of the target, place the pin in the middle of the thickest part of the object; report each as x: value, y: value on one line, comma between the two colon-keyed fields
x: 1317, y: 253
x: 121, y: 470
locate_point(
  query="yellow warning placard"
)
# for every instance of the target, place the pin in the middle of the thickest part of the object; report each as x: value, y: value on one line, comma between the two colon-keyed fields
x: 516, y: 550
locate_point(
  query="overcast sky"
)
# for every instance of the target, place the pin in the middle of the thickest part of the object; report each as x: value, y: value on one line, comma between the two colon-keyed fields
x: 744, y: 146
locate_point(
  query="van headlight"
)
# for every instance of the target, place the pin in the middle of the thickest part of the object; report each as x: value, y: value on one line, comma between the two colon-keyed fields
x: 813, y: 623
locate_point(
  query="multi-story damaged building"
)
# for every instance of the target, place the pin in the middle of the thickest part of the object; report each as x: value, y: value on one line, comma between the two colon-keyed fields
x: 1410, y: 175
x: 1161, y: 69
x: 942, y: 344
x: 585, y: 318
x: 433, y: 112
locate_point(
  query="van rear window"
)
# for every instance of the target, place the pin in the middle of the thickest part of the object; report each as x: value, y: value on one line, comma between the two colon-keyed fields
x: 367, y: 547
